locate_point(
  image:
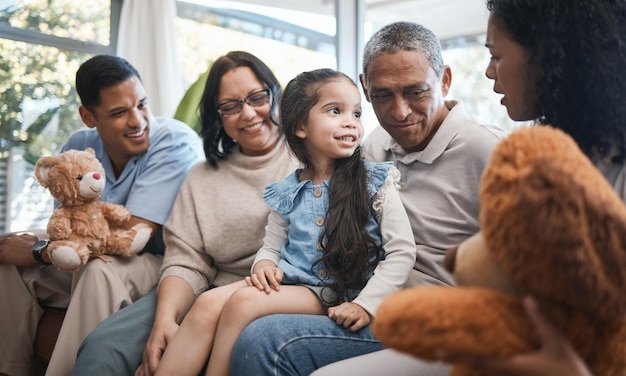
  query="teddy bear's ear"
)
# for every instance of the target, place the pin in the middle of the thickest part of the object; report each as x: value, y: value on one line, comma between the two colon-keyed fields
x: 90, y: 151
x: 42, y: 168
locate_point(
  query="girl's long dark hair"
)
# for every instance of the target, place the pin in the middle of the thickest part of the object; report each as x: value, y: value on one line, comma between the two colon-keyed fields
x: 217, y: 144
x: 346, y: 244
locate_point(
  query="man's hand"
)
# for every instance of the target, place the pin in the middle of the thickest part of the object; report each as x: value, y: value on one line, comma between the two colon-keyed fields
x: 350, y: 315
x: 16, y: 248
x: 160, y: 336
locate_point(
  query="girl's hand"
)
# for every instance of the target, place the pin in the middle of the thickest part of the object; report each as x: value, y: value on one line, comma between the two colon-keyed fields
x: 266, y: 276
x: 350, y: 315
x: 556, y: 356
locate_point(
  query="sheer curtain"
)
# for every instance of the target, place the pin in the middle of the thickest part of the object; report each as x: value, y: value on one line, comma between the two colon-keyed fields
x: 147, y: 39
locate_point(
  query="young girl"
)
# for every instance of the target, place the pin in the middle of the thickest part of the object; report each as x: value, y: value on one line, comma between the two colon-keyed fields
x: 338, y: 239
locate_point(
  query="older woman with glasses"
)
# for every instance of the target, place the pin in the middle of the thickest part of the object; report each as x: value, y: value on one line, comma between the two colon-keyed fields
x: 218, y: 220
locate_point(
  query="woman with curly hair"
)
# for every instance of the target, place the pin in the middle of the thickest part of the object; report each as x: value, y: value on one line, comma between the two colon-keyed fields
x: 560, y: 62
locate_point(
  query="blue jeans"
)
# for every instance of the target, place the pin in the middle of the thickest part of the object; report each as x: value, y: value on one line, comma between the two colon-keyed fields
x: 296, y: 345
x: 116, y: 346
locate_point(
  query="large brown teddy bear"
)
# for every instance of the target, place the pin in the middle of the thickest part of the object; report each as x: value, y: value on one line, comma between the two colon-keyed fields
x: 551, y: 227
x: 83, y: 227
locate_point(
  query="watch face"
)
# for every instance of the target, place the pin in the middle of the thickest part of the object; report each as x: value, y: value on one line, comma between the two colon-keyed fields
x: 40, y: 245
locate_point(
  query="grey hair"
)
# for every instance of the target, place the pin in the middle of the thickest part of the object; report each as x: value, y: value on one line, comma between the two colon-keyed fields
x: 409, y: 36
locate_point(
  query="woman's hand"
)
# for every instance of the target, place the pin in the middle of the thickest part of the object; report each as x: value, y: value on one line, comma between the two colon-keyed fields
x: 160, y: 336
x: 350, y: 315
x: 555, y: 358
x: 266, y: 276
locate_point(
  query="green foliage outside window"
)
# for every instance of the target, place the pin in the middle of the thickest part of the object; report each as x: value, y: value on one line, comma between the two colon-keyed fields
x: 37, y: 73
x: 38, y: 101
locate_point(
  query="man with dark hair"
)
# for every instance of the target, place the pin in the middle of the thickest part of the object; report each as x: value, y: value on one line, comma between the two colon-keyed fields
x: 145, y: 159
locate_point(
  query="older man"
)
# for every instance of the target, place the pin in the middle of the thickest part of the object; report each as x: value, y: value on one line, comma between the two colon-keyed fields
x: 440, y: 152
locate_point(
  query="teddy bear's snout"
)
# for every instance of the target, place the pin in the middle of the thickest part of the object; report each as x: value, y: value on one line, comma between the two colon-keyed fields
x: 91, y: 185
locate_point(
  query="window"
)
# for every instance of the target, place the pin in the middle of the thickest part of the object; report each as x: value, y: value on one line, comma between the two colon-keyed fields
x: 47, y: 40
x: 280, y: 37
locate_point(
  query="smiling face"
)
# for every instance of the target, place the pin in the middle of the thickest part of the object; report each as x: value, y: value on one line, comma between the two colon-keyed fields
x: 508, y: 68
x: 251, y: 128
x: 122, y: 119
x: 407, y: 96
x: 333, y: 128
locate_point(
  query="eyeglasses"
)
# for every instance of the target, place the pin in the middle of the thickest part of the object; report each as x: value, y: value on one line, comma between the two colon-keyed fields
x: 234, y: 106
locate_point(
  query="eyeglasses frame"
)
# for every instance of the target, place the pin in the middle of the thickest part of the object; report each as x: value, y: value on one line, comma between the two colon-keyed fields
x: 245, y: 100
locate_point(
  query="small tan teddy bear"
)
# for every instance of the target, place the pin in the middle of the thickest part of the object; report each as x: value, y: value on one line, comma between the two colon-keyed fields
x: 551, y: 227
x: 83, y: 227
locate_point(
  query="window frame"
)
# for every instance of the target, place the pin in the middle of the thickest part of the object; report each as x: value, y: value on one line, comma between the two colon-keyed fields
x: 35, y: 37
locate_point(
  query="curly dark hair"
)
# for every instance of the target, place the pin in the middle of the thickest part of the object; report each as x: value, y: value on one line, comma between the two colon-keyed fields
x: 349, y: 252
x: 217, y: 144
x: 577, y: 52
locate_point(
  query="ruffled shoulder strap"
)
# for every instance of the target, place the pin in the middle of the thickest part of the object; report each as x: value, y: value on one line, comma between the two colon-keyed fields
x: 279, y: 196
x: 376, y: 175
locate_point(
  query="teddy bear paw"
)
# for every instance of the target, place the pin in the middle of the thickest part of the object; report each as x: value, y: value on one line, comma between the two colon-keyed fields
x: 141, y: 239
x: 65, y: 258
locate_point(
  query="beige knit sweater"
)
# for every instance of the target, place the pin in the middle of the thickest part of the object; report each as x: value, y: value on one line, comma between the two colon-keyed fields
x: 218, y: 220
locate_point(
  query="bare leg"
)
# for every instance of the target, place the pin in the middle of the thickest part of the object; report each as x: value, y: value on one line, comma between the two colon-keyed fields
x: 189, y: 349
x: 247, y: 305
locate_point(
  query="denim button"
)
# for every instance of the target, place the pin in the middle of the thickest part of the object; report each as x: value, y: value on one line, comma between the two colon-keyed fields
x: 319, y: 221
x: 322, y: 273
x: 317, y: 192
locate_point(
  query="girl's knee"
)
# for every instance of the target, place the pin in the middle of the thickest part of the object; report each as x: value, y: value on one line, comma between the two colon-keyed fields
x: 247, y: 294
x: 245, y: 300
